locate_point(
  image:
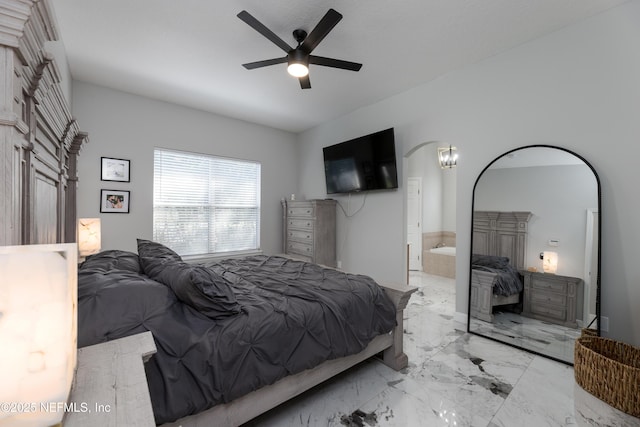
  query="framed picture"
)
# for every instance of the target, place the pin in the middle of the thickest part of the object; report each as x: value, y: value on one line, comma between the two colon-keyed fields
x: 114, y: 169
x: 115, y: 201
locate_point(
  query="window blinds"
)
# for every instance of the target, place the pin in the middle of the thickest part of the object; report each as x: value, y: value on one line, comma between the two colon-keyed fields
x: 204, y: 204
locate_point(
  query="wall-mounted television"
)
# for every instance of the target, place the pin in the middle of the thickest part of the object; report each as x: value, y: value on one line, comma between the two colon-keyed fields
x: 362, y: 164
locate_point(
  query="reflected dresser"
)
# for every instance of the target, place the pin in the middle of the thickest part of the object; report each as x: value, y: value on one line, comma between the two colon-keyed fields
x: 553, y: 298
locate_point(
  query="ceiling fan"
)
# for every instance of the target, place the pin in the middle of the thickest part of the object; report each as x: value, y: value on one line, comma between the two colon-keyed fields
x: 300, y: 57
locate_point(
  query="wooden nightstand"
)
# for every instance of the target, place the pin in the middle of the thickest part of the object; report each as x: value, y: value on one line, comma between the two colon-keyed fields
x: 552, y: 298
x: 110, y: 386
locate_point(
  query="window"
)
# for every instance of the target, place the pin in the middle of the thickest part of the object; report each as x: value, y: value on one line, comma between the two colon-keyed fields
x: 205, y: 204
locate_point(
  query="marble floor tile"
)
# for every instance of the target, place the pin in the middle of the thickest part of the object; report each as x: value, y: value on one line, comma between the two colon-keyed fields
x: 326, y: 403
x: 453, y: 379
x: 536, y: 335
x: 398, y: 406
x: 474, y: 373
x: 525, y: 403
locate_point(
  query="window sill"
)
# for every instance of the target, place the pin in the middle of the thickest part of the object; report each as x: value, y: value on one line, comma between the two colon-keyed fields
x: 197, y: 259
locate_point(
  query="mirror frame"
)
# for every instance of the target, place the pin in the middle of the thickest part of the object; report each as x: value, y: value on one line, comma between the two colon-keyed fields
x: 599, y: 256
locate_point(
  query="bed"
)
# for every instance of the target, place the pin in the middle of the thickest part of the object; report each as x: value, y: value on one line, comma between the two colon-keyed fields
x: 240, y: 336
x: 498, y: 253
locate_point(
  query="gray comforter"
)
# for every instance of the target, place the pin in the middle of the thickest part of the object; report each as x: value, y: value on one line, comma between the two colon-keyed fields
x: 507, y: 280
x: 227, y: 329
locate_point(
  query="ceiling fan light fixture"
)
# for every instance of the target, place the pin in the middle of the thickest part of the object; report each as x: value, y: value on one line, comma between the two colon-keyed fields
x: 298, y: 63
x: 297, y: 69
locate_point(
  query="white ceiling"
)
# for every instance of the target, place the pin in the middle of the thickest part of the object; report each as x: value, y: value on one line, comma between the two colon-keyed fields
x: 190, y: 52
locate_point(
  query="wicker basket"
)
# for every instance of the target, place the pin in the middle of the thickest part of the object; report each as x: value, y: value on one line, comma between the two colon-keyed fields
x: 610, y: 370
x: 586, y: 332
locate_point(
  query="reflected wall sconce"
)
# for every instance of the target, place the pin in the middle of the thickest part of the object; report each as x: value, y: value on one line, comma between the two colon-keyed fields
x: 89, y: 236
x: 448, y: 157
x: 549, y: 262
x: 38, y: 330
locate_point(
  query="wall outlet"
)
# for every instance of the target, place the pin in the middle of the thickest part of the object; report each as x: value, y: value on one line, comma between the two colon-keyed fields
x: 339, y: 264
x: 604, y: 324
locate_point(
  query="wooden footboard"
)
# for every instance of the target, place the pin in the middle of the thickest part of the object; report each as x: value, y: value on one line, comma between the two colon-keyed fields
x: 480, y: 306
x: 482, y: 299
x: 260, y: 401
x: 394, y: 356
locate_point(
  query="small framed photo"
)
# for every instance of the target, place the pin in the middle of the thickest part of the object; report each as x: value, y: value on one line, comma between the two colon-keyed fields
x: 115, y: 169
x: 114, y: 201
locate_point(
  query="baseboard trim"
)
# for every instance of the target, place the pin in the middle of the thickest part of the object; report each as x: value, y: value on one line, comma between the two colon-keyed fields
x: 460, y: 320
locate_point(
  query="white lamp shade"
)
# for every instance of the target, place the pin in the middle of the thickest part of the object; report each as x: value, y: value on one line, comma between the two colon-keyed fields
x: 89, y: 237
x: 38, y: 330
x: 550, y: 262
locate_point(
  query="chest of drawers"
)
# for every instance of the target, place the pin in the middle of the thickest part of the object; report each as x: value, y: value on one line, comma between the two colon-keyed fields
x: 310, y: 230
x: 552, y: 298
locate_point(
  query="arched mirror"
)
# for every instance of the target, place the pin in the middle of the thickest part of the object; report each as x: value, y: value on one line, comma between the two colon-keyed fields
x: 534, y: 280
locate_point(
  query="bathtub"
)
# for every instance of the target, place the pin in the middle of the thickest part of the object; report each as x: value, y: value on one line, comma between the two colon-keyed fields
x: 444, y: 250
x: 440, y: 261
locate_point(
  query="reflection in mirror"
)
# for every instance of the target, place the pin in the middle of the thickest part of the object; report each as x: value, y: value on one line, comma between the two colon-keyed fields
x: 535, y: 251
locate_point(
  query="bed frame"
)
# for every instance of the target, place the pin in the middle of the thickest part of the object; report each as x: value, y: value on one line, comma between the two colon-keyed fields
x: 39, y: 139
x: 500, y: 234
x: 249, y: 406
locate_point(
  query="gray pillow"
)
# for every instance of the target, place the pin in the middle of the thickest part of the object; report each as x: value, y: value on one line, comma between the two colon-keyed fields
x: 113, y: 260
x: 154, y: 256
x: 195, y: 285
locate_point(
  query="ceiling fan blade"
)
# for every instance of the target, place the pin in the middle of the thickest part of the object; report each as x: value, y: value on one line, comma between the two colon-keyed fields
x: 326, y: 24
x: 335, y: 63
x: 265, y: 63
x: 305, y: 83
x: 259, y: 27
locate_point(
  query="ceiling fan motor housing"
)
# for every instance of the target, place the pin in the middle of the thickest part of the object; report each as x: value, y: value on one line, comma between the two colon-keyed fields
x: 299, y: 57
x: 299, y: 35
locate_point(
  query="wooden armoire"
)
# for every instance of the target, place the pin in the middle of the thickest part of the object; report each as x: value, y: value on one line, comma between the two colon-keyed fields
x: 39, y: 139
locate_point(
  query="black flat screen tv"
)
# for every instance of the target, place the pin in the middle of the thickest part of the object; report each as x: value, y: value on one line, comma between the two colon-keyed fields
x: 362, y: 164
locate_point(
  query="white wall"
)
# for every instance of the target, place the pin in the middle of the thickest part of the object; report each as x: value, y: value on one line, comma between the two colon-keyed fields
x: 438, y: 188
x: 366, y: 240
x: 449, y: 199
x: 577, y: 88
x: 558, y: 198
x: 423, y: 164
x: 127, y: 126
